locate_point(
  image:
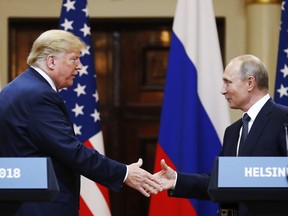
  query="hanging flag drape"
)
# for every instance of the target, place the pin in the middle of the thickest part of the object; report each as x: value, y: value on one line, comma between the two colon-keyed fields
x: 281, y: 83
x: 82, y: 102
x: 194, y: 113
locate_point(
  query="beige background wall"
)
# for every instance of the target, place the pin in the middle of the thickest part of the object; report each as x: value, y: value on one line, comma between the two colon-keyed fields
x: 241, y: 31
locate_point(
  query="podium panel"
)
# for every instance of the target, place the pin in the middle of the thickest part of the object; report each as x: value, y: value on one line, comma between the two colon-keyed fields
x: 27, y: 179
x: 258, y: 182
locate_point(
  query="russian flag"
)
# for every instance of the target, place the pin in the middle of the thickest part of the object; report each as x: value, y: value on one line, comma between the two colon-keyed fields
x: 194, y: 113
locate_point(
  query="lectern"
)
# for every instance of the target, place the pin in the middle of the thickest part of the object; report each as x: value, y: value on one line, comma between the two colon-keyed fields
x: 260, y: 183
x: 27, y: 179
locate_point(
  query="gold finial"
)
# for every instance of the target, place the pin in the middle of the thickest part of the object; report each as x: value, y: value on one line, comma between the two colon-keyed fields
x: 263, y: 1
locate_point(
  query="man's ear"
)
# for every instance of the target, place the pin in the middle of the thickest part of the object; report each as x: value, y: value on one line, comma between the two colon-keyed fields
x: 251, y: 82
x: 50, y: 62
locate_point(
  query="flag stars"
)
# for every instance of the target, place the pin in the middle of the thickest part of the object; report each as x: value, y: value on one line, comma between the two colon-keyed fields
x: 282, y: 91
x: 78, y: 110
x: 67, y: 25
x: 85, y: 51
x: 85, y: 10
x: 284, y: 71
x: 96, y: 96
x: 80, y: 89
x: 81, y: 98
x: 286, y: 51
x: 85, y: 30
x: 83, y: 70
x: 283, y: 5
x: 77, y: 129
x: 69, y: 5
x: 96, y: 115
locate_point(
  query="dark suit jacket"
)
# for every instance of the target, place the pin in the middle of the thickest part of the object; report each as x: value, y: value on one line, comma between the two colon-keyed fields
x: 34, y: 122
x: 265, y: 138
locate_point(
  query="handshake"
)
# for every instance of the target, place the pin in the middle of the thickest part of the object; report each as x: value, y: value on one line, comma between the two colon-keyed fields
x: 146, y: 183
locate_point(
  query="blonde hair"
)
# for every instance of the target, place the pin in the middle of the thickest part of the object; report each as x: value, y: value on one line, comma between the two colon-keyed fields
x: 53, y: 41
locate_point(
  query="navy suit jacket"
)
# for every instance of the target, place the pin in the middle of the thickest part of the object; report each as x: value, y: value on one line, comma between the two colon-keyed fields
x: 266, y: 138
x: 34, y: 122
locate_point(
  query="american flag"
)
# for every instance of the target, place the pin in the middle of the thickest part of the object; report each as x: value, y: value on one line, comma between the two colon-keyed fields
x: 83, y: 104
x: 281, y: 84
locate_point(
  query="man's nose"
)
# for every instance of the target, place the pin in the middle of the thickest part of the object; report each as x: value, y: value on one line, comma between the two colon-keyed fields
x: 223, y: 90
x: 79, y: 66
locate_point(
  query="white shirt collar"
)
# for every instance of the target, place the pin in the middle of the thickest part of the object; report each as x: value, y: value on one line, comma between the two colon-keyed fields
x: 253, y: 112
x: 255, y: 109
x: 46, y: 77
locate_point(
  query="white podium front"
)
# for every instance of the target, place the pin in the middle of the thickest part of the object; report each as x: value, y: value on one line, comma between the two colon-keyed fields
x: 27, y: 179
x: 258, y: 182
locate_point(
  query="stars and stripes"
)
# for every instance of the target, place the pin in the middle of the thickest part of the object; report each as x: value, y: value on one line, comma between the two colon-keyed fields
x: 82, y: 102
x: 281, y: 83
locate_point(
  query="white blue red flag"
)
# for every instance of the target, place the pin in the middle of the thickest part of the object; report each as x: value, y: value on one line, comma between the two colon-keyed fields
x: 281, y: 83
x: 194, y: 113
x: 82, y: 102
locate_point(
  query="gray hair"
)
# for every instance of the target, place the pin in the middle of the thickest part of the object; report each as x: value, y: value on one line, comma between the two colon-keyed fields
x: 252, y: 66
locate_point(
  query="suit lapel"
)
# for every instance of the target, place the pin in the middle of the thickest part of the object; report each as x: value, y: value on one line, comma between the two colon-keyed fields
x: 235, y: 138
x: 231, y: 139
x: 258, y: 126
x: 65, y: 111
x: 61, y: 103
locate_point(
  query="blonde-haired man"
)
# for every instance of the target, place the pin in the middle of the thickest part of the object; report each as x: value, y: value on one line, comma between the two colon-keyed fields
x: 34, y: 122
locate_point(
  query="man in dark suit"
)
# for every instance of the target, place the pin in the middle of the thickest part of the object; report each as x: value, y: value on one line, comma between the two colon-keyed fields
x: 245, y: 87
x: 34, y: 122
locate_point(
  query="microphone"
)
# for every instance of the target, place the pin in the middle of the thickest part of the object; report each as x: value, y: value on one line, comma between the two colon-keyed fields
x: 286, y: 136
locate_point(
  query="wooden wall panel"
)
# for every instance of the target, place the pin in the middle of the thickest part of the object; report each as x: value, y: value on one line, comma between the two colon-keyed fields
x: 131, y: 57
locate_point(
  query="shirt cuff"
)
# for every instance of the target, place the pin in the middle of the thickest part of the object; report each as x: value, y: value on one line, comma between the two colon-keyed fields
x: 174, y: 185
x: 126, y: 175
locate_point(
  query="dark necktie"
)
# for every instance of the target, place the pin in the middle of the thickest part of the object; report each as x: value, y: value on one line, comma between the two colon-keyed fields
x: 245, y: 120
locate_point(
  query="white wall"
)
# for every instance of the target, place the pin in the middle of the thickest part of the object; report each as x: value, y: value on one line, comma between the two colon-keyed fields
x: 234, y: 12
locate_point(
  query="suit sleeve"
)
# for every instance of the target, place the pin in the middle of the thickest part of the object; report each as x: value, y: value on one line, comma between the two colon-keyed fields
x: 191, y: 186
x: 52, y: 133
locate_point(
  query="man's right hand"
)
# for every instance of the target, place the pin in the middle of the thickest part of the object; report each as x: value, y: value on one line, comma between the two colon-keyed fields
x: 167, y: 176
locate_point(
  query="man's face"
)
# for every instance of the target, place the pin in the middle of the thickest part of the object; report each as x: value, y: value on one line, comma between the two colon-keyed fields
x: 66, y: 68
x: 234, y: 88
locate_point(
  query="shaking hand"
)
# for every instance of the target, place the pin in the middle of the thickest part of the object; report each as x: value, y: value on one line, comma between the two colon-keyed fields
x: 142, y: 180
x: 167, y: 176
